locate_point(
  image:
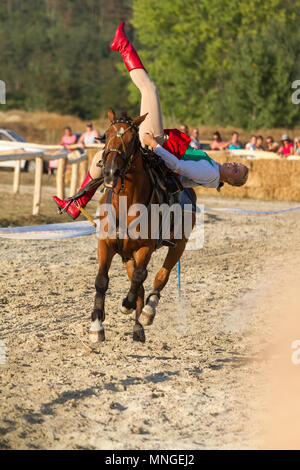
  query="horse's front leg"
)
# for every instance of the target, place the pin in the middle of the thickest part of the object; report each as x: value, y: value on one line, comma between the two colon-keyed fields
x: 105, y: 255
x: 149, y: 310
x: 134, y: 300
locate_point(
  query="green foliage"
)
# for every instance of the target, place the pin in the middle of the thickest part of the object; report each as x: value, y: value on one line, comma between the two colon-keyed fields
x: 55, y: 55
x: 257, y: 89
x: 215, y: 62
x: 195, y: 49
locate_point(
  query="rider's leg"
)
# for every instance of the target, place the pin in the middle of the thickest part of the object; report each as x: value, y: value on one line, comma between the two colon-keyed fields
x: 95, y: 172
x: 150, y: 102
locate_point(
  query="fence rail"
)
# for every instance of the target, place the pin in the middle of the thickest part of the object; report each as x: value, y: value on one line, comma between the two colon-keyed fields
x: 17, y: 152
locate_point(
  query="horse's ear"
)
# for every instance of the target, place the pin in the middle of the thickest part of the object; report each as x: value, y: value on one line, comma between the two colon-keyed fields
x: 111, y: 115
x: 140, y: 119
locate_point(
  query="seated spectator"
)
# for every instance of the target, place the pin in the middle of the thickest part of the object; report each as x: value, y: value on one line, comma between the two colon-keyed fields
x: 234, y: 144
x: 184, y: 128
x: 89, y: 136
x: 195, y: 139
x: 259, y: 143
x: 297, y: 146
x: 252, y: 144
x: 67, y: 139
x: 217, y: 143
x: 287, y: 147
x: 271, y: 145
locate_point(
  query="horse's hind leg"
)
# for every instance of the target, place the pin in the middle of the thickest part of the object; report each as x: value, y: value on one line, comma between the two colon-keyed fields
x: 149, y: 310
x: 138, y: 329
x: 137, y: 274
x: 105, y: 255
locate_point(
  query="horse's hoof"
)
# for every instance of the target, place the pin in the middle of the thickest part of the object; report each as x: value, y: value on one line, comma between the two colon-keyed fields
x: 97, y: 336
x: 139, y: 333
x: 147, y: 315
x: 125, y: 310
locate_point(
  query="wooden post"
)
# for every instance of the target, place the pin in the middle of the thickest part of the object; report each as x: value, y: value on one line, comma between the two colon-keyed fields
x: 74, y: 179
x: 60, y: 178
x: 83, y: 168
x: 37, y: 185
x: 17, y: 173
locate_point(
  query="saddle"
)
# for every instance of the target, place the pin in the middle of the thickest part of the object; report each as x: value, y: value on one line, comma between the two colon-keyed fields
x: 165, y: 183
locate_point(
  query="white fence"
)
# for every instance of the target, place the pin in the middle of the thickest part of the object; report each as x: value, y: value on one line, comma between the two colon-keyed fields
x: 44, y: 152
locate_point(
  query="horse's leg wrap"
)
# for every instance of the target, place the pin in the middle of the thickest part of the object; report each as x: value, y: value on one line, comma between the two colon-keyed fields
x: 149, y: 310
x: 98, y: 315
x: 138, y: 277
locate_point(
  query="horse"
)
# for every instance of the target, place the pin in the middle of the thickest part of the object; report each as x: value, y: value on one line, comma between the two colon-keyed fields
x: 125, y: 175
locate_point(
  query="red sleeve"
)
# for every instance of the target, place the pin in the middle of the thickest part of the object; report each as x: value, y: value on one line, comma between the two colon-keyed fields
x: 177, y: 142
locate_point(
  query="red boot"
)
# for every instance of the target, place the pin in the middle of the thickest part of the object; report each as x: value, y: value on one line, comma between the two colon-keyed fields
x: 66, y: 205
x: 126, y: 49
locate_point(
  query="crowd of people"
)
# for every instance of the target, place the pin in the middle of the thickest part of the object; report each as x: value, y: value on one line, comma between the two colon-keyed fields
x: 285, y: 148
x: 70, y: 138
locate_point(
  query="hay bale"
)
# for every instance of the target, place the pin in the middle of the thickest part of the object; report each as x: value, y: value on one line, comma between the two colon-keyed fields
x: 269, y: 179
x: 274, y: 179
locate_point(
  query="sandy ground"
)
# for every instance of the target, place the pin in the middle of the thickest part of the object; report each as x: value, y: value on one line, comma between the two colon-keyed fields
x: 199, y: 381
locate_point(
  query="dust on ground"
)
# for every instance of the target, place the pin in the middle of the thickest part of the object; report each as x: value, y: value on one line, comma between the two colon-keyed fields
x: 190, y: 386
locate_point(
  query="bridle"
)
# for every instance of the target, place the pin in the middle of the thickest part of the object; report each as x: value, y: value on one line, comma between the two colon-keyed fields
x: 128, y: 159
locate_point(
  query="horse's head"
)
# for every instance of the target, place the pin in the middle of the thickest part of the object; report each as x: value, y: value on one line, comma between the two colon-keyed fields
x: 122, y: 139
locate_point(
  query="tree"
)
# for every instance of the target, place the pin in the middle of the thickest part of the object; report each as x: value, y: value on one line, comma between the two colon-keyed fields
x: 256, y: 91
x: 55, y: 55
x: 187, y: 44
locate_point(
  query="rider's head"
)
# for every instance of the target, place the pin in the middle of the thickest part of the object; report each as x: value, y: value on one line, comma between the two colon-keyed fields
x: 234, y: 173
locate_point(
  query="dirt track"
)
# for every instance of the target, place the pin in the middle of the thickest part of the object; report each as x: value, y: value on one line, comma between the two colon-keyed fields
x: 192, y: 385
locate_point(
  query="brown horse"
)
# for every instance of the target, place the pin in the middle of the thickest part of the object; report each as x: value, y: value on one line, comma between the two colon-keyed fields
x: 125, y: 175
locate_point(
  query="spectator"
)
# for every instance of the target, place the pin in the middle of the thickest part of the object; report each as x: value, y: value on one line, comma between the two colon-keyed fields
x: 297, y: 146
x: 252, y: 144
x: 259, y: 143
x: 195, y: 139
x: 271, y: 145
x: 217, y: 143
x: 89, y: 136
x: 287, y: 147
x: 67, y: 139
x: 234, y: 144
x: 184, y: 128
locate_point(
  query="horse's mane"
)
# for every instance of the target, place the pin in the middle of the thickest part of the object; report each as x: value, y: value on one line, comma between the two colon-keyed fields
x: 125, y: 116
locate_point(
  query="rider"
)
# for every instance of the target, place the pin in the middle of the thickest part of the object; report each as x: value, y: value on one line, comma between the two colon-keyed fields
x: 194, y: 166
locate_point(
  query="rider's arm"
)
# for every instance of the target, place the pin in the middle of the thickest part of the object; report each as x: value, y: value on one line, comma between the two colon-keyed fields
x: 200, y: 172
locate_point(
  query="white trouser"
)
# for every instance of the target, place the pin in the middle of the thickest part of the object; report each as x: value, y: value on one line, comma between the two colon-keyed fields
x: 150, y: 104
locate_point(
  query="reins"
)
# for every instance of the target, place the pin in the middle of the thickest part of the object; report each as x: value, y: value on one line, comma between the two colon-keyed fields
x: 127, y: 159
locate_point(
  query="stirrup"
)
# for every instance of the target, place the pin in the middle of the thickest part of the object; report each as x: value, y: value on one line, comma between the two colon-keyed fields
x: 168, y: 243
x: 61, y: 210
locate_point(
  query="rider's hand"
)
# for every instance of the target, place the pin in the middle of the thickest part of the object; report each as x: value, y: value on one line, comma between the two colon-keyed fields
x: 148, y: 139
